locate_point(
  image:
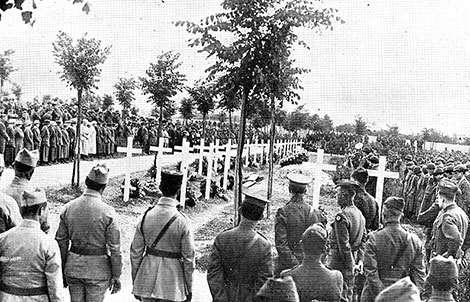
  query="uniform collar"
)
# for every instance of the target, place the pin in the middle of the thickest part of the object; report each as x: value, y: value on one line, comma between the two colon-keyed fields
x: 92, y: 193
x: 30, y: 223
x: 449, y: 207
x: 167, y: 201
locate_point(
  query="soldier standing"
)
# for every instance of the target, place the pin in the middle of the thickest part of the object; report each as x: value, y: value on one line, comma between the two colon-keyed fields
x: 93, y: 263
x: 28, y: 142
x: 36, y: 135
x: 364, y: 201
x: 241, y: 258
x: 291, y: 222
x: 162, y: 251
x: 314, y: 281
x: 462, y: 198
x: 347, y: 237
x: 391, y: 253
x: 45, y: 137
x: 31, y: 269
x: 450, y: 227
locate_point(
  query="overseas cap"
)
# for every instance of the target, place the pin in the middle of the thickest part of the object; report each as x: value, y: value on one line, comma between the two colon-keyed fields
x: 401, y: 291
x: 442, y: 269
x: 447, y: 187
x: 28, y: 158
x: 99, y: 174
x: 31, y: 198
x: 298, y: 182
x: 395, y: 203
x: 279, y: 290
x: 171, y: 179
x: 255, y: 200
x: 314, y: 239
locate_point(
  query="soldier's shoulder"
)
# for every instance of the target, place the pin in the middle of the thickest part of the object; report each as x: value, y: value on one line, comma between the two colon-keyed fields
x: 263, y: 239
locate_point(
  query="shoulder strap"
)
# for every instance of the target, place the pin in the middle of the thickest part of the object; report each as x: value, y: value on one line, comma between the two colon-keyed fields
x: 163, y: 231
x: 142, y: 222
x: 400, y: 252
x: 251, y: 243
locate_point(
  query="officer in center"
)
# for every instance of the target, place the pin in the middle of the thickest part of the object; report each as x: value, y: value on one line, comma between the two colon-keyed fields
x: 291, y: 222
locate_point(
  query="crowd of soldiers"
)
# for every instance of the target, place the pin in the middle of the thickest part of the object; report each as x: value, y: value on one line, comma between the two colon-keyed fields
x: 51, y: 128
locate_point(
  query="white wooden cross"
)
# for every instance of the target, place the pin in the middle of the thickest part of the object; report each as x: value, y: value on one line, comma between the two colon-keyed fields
x: 209, y: 171
x: 229, y: 149
x: 202, y: 151
x: 265, y: 147
x: 129, y: 151
x: 319, y: 168
x: 381, y: 174
x: 158, y: 163
x: 247, y: 148
x: 184, y: 149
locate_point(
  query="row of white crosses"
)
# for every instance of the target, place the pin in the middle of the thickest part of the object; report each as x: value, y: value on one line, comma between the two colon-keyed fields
x: 212, y: 152
x: 380, y: 173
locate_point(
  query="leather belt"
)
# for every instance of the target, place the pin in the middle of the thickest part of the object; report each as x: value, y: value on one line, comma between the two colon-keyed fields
x: 164, y: 254
x: 89, y: 252
x: 22, y: 291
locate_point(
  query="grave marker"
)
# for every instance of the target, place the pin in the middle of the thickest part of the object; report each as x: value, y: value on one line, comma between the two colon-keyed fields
x: 129, y: 151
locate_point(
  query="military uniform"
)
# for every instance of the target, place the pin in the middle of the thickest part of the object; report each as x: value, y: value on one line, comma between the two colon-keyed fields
x: 31, y: 268
x: 28, y: 142
x: 449, y: 231
x: 368, y: 207
x: 291, y: 222
x: 36, y: 136
x: 165, y: 271
x: 90, y: 227
x: 381, y: 250
x: 462, y: 198
x: 45, y: 137
x: 241, y: 258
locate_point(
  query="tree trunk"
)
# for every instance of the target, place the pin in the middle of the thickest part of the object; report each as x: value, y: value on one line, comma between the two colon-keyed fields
x: 230, y: 119
x: 272, y: 136
x: 76, y: 164
x: 204, y: 125
x: 237, y: 193
x: 159, y: 134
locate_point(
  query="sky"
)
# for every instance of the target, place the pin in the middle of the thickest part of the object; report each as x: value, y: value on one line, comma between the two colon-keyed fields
x: 393, y: 62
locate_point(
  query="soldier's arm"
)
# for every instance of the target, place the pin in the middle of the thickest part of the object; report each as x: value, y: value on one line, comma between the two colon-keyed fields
x: 3, y: 132
x: 188, y: 251
x: 215, y: 276
x: 417, y: 268
x: 113, y: 242
x: 137, y: 250
x: 280, y: 234
x: 53, y: 273
x: 62, y: 237
x: 342, y: 241
x: 265, y: 269
x: 370, y: 266
x: 452, y: 233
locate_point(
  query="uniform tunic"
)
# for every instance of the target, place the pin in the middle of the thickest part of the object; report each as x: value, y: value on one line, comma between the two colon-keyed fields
x: 462, y: 198
x: 381, y: 250
x: 346, y: 243
x: 449, y: 231
x: 33, y: 262
x: 238, y: 266
x: 89, y: 224
x: 160, y: 277
x: 369, y: 209
x: 291, y: 222
x: 316, y: 282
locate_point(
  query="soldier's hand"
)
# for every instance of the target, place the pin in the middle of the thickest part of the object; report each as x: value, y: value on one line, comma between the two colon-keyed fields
x: 65, y: 282
x: 189, y: 297
x: 115, y: 285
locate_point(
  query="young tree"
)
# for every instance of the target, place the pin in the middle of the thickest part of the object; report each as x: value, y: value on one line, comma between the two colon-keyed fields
x: 6, y: 68
x: 256, y: 59
x: 80, y: 63
x: 108, y: 102
x: 125, y: 92
x: 202, y: 94
x: 163, y: 82
x: 360, y: 126
x: 186, y: 109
